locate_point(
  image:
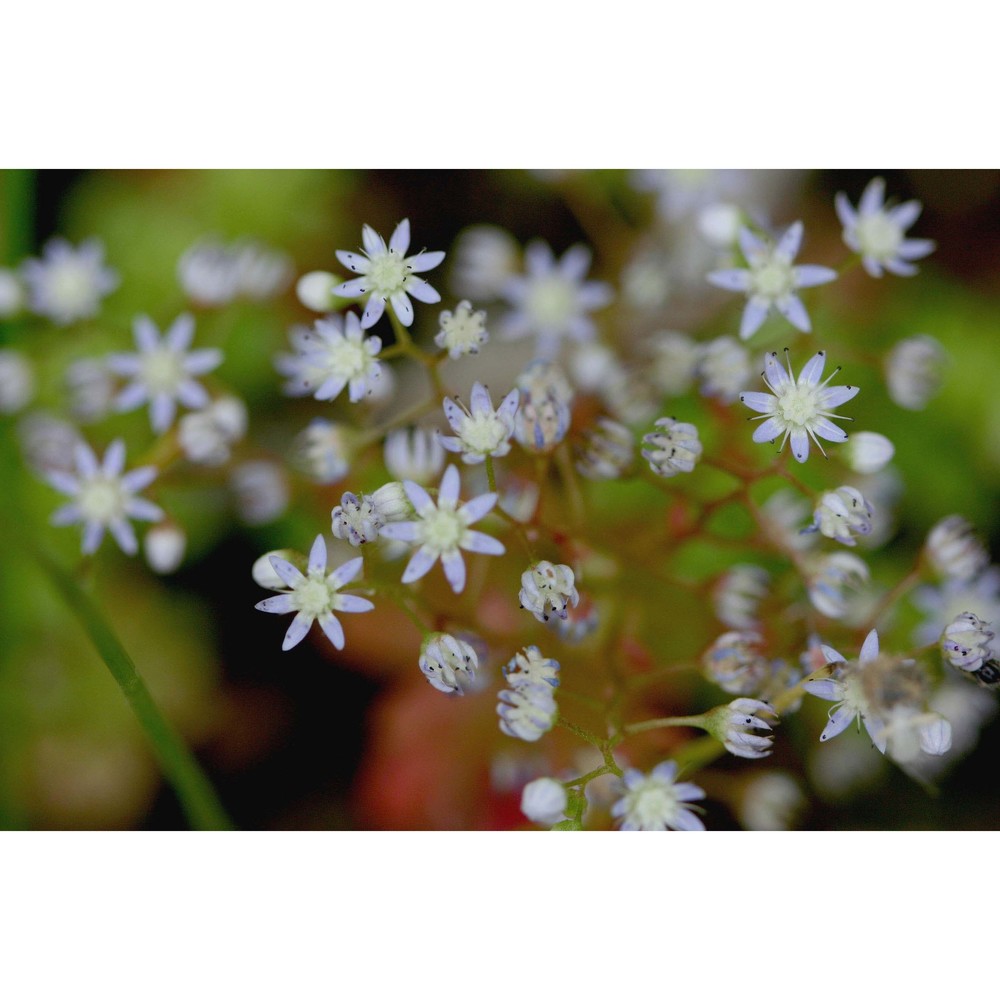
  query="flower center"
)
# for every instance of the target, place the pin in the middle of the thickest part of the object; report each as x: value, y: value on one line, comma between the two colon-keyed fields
x: 878, y: 236
x: 312, y: 596
x: 654, y: 805
x: 483, y: 432
x: 773, y: 280
x: 71, y: 285
x: 162, y: 370
x: 551, y: 302
x: 102, y: 500
x: 442, y: 530
x: 387, y: 273
x: 346, y: 358
x: 799, y: 405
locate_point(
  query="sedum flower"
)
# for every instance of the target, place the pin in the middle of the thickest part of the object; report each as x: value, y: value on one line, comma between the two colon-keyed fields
x: 724, y: 369
x: 607, y: 452
x: 656, y: 801
x: 913, y: 371
x: 414, y: 453
x: 843, y: 515
x: 335, y: 355
x: 163, y: 370
x: 800, y: 409
x: 68, y: 282
x: 737, y: 727
x: 954, y: 550
x: 674, y: 448
x: 966, y: 642
x: 448, y: 663
x: 831, y: 577
x: 314, y: 596
x: 544, y: 801
x: 552, y: 301
x: 207, y: 436
x: 878, y: 233
x: 442, y: 530
x: 867, y: 452
x: 771, y: 279
x: 480, y: 430
x: 104, y: 498
x: 548, y: 589
x: 738, y: 594
x: 462, y: 331
x: 388, y: 275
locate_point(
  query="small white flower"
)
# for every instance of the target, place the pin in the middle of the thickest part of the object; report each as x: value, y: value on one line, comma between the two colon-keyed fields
x: 315, y: 291
x: 333, y: 356
x: 656, y: 801
x: 771, y: 801
x: 462, y: 331
x: 771, y: 280
x: 800, y: 409
x: 724, y: 369
x: 528, y: 668
x: 878, y: 232
x: 162, y: 371
x: 103, y: 498
x: 954, y: 549
x: 360, y: 519
x: 481, y: 430
x: 48, y: 444
x: 675, y: 360
x: 553, y: 301
x: 414, y: 453
x: 17, y: 381
x: 314, y: 596
x: 92, y: 388
x: 323, y: 451
x: 448, y: 663
x: 675, y: 448
x: 214, y: 274
x: 733, y: 724
x: 388, y: 275
x: 527, y: 713
x: 867, y: 452
x: 69, y: 282
x: 12, y: 293
x: 207, y: 436
x: 843, y: 514
x: 738, y: 594
x: 548, y: 589
x: 831, y: 577
x: 735, y: 663
x: 164, y: 546
x: 966, y: 642
x: 482, y: 260
x: 261, y: 271
x: 607, y: 451
x: 261, y: 490
x: 442, y: 530
x: 913, y: 371
x: 543, y: 801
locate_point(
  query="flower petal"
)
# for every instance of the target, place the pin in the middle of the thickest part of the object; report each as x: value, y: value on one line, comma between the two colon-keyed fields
x: 454, y: 569
x: 419, y: 565
x: 869, y: 649
x: 297, y: 630
x: 477, y: 541
x: 450, y: 485
x: 840, y: 719
x: 279, y: 605
x: 345, y: 573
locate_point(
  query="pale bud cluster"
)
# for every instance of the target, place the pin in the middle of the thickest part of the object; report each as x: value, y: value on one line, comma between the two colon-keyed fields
x: 548, y: 589
x: 414, y: 453
x: 527, y: 708
x: 843, y: 515
x: 674, y: 448
x: 966, y: 642
x: 543, y: 417
x: 322, y: 451
x: 207, y: 436
x: 448, y: 663
x: 358, y: 519
x: 832, y: 579
x: 462, y: 331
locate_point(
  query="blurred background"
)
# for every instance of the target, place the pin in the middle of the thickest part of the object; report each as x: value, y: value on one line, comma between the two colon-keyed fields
x: 320, y: 740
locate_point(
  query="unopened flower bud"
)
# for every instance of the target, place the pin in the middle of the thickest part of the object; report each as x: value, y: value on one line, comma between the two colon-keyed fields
x: 733, y: 726
x: 607, y: 452
x: 867, y: 452
x: 164, y: 546
x: 674, y: 448
x: 843, y: 514
x: 548, y: 589
x: 315, y: 290
x: 448, y: 663
x: 913, y: 371
x: 954, y: 550
x: 965, y: 642
x: 543, y: 801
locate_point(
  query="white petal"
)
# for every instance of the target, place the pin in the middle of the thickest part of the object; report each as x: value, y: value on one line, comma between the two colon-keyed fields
x: 297, y: 630
x: 353, y: 262
x: 131, y: 397
x: 124, y: 535
x: 478, y: 507
x: 873, y: 196
x: 371, y: 241
x: 450, y: 485
x: 422, y: 290
x: 869, y: 650
x: 114, y: 458
x: 575, y: 263
x: 810, y: 275
x: 140, y: 509
x: 845, y: 211
x: 180, y: 334
x: 794, y: 311
x: 800, y: 445
x: 317, y: 556
x: 837, y: 395
x: 761, y: 402
x: 280, y: 605
x: 147, y: 337
x: 425, y: 261
x: 161, y: 412
x: 344, y: 574
x: 823, y: 428
x: 289, y: 574
x: 476, y: 541
x: 842, y: 717
x: 454, y: 569
x: 906, y: 214
x: 203, y: 361
x: 192, y: 394
x: 353, y: 604
x: 419, y: 565
x: 775, y: 373
x: 400, y: 531
x: 735, y: 280
x: 93, y: 533
x: 139, y: 479
x: 402, y: 307
x: 827, y: 689
x: 790, y: 242
x: 332, y: 630
x: 769, y: 430
x: 508, y: 407
x: 480, y: 399
x: 915, y: 249
x: 373, y: 311
x: 812, y: 370
x: 418, y: 496
x: 753, y: 318
x: 67, y: 514
x: 399, y: 242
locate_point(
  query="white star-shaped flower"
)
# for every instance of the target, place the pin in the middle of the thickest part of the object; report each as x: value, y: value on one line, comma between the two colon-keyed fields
x: 163, y: 370
x: 388, y: 275
x: 878, y: 232
x: 314, y: 595
x: 656, y: 801
x: 771, y: 279
x: 480, y: 430
x: 553, y: 301
x: 103, y: 498
x: 798, y: 409
x: 442, y: 530
x: 68, y: 282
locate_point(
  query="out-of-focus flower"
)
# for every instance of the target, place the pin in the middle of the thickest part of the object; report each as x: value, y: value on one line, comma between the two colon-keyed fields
x: 214, y: 274
x: 843, y: 514
x: 607, y: 451
x: 738, y: 594
x: 12, y: 293
x: 388, y: 275
x: 315, y: 290
x: 954, y: 550
x: 104, y: 498
x: 771, y: 280
x: 878, y: 233
x: 675, y: 360
x: 771, y: 801
x: 734, y: 662
x: 674, y: 448
x: 48, y: 443
x: 831, y: 578
x: 68, y: 282
x: 414, y: 453
x: 17, y: 381
x: 315, y: 596
x: 724, y: 369
x: 914, y: 371
x: 480, y: 430
x: 462, y: 331
x: 657, y: 801
x: 527, y: 713
x: 207, y: 436
x: 482, y: 260
x: 867, y: 452
x: 800, y: 408
x: 164, y: 546
x: 543, y: 801
x: 92, y: 388
x: 261, y: 491
x: 322, y: 450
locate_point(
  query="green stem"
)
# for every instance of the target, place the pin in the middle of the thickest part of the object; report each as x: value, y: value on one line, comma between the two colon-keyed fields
x: 692, y: 721
x: 195, y: 792
x: 17, y: 220
x: 491, y: 474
